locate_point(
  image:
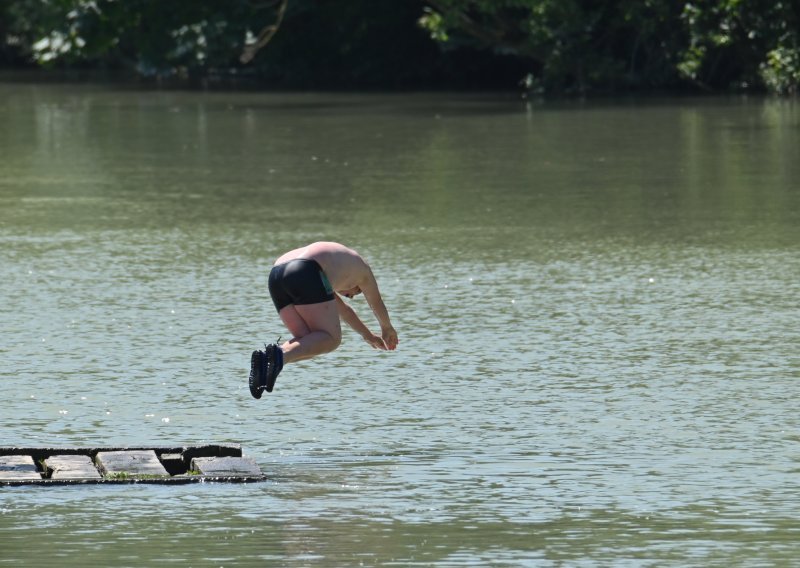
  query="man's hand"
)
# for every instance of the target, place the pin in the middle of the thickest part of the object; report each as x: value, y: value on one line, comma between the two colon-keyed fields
x: 389, y: 336
x: 375, y: 341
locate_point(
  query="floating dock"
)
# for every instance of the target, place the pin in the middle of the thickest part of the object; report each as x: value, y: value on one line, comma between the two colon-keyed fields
x: 140, y: 464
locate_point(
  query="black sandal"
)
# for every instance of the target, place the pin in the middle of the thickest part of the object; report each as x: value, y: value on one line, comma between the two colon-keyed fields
x: 273, y: 356
x: 257, y: 378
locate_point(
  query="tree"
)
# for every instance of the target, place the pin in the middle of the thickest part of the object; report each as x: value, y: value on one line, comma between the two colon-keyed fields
x: 742, y: 43
x: 581, y: 45
x: 146, y: 35
x: 572, y: 45
x: 549, y: 45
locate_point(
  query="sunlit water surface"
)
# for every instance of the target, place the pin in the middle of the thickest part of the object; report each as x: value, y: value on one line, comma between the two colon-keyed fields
x: 597, y: 305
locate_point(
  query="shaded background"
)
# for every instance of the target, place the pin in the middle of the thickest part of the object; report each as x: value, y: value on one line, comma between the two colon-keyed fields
x: 533, y: 46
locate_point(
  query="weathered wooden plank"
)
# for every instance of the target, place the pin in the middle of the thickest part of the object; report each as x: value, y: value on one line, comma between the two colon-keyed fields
x: 72, y: 467
x: 18, y: 468
x: 134, y: 463
x: 227, y: 467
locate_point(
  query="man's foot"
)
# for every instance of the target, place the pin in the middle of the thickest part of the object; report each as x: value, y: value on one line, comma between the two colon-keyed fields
x: 264, y: 368
x: 273, y: 359
x: 257, y: 378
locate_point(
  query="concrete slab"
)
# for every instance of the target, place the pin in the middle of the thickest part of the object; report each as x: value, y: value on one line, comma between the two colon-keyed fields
x: 212, y: 451
x: 133, y: 464
x: 72, y: 467
x: 18, y: 468
x: 130, y: 463
x: 227, y: 467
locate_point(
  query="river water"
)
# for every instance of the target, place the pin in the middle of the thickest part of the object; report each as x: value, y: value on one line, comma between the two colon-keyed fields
x: 597, y: 305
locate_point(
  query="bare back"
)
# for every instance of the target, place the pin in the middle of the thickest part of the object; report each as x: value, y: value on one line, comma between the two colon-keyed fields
x: 343, y: 266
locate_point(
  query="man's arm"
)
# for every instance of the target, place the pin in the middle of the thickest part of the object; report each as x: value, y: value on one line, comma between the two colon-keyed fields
x: 369, y: 287
x: 350, y: 317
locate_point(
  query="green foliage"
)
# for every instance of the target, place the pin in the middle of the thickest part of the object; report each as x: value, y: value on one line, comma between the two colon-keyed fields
x: 571, y: 45
x: 319, y: 43
x: 125, y: 476
x: 549, y: 45
x: 781, y: 71
x: 585, y: 45
x: 147, y: 35
x: 741, y: 44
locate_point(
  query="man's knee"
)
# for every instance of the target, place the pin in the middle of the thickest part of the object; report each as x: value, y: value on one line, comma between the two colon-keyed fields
x: 334, y: 341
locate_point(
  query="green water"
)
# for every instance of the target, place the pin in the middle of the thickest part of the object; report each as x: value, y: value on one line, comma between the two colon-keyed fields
x: 597, y: 305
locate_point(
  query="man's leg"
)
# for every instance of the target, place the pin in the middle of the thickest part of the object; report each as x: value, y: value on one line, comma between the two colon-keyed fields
x: 293, y: 322
x: 296, y: 326
x: 266, y: 365
x: 322, y: 332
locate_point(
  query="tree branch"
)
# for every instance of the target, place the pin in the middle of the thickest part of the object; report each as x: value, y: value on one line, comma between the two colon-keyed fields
x: 264, y: 37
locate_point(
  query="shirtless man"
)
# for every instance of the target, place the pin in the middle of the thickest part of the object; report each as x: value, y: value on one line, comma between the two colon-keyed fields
x: 306, y: 285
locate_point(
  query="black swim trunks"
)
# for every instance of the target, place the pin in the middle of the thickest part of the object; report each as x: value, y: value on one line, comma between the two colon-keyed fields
x: 299, y: 281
